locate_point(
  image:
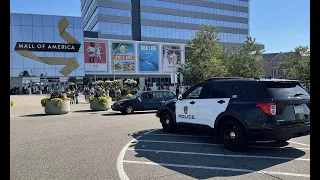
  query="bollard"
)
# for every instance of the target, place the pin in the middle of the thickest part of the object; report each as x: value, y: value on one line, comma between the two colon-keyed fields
x: 40, y: 92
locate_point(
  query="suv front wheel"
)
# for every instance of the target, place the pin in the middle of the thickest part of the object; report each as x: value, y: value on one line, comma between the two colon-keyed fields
x: 167, y: 122
x: 234, y: 136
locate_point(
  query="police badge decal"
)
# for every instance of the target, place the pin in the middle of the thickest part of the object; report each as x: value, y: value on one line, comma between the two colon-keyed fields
x: 185, y: 109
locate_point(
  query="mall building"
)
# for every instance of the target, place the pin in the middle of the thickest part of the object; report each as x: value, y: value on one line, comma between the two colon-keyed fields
x: 119, y: 39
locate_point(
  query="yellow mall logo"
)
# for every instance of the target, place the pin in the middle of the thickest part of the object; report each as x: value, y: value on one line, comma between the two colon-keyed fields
x: 25, y: 48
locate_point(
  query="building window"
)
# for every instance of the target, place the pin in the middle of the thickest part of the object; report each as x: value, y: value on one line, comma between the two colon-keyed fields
x: 194, y: 8
x: 186, y: 34
x: 191, y: 20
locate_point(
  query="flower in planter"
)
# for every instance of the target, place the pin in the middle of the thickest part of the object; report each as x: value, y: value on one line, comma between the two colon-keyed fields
x: 57, y: 97
x: 11, y: 103
x: 129, y: 96
x: 118, y: 97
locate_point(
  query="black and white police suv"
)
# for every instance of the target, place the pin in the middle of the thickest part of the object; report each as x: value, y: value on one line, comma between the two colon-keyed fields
x: 242, y: 110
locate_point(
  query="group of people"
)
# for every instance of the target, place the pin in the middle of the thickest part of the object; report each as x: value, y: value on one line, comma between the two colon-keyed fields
x: 31, y: 89
x: 73, y: 94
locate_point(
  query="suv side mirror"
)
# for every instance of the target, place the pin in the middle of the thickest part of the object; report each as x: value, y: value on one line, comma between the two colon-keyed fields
x: 179, y: 97
x: 139, y: 99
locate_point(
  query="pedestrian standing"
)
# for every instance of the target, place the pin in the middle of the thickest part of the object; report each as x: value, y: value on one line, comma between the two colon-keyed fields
x: 177, y: 92
x: 77, y: 96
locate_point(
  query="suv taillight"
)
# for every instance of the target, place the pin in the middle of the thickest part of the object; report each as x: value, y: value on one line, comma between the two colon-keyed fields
x: 268, y: 108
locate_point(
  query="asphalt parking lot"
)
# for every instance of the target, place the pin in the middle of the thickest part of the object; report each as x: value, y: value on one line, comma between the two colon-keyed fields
x: 195, y: 154
x: 109, y: 145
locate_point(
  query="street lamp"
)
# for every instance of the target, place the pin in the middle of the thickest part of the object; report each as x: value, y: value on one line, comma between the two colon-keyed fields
x: 174, y: 64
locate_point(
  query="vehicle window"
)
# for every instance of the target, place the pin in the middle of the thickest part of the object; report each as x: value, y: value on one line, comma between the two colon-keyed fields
x: 136, y: 96
x: 285, y: 89
x: 213, y: 90
x: 157, y: 95
x: 146, y: 95
x: 168, y: 94
x: 244, y: 90
x: 193, y: 92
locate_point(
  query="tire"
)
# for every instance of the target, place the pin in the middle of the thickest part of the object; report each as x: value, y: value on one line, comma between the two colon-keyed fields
x: 167, y: 122
x: 129, y: 109
x: 234, y: 136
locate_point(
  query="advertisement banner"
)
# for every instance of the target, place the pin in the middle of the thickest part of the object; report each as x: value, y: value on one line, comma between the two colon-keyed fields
x: 95, y: 56
x: 148, y: 57
x: 170, y: 58
x: 123, y: 57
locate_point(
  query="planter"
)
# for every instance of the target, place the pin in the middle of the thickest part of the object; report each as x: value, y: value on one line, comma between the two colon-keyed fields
x: 53, y: 109
x: 109, y: 103
x: 96, y: 106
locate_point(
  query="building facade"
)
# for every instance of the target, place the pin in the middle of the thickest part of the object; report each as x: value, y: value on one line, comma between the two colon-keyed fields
x: 272, y: 62
x: 33, y: 30
x: 171, y: 21
x: 119, y: 39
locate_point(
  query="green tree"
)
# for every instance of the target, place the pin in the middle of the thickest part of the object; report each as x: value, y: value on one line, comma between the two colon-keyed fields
x: 204, y: 57
x: 296, y: 65
x: 244, y: 60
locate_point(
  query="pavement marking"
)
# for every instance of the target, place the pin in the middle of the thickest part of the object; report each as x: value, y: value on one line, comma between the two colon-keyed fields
x: 298, y: 143
x: 217, y: 168
x: 194, y: 143
x: 270, y: 147
x: 156, y: 134
x: 220, y: 155
x: 121, y: 172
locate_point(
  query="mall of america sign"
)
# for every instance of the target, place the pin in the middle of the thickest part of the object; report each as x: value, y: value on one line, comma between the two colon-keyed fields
x: 25, y: 49
x: 56, y: 47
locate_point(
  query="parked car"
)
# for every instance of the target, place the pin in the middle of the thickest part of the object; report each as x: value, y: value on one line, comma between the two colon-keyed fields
x: 242, y: 110
x: 146, y: 100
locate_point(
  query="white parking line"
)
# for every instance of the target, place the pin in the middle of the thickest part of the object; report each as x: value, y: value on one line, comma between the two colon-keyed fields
x: 121, y: 172
x: 217, y: 168
x: 298, y: 143
x: 209, y: 144
x: 177, y: 135
x: 219, y: 155
x: 270, y: 147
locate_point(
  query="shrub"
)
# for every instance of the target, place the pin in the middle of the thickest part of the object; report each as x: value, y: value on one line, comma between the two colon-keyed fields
x: 103, y: 100
x: 118, y: 97
x: 57, y: 97
x: 11, y: 103
x: 129, y: 96
x: 58, y: 101
x: 44, y: 102
x: 91, y: 98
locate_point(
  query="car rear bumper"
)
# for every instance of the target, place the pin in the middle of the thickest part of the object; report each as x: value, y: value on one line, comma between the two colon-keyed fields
x: 280, y: 133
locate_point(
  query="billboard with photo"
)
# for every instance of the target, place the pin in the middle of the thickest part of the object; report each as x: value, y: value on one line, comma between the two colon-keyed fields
x: 148, y: 57
x: 123, y: 57
x: 171, y: 57
x: 95, y: 56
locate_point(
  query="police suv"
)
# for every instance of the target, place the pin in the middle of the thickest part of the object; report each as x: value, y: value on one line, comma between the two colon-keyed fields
x: 241, y: 110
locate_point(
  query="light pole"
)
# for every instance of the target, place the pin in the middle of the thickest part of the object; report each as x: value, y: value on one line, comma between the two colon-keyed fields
x: 114, y: 73
x: 174, y: 64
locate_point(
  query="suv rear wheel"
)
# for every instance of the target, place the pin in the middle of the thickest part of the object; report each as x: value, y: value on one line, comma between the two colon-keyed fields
x: 167, y: 122
x: 234, y: 136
